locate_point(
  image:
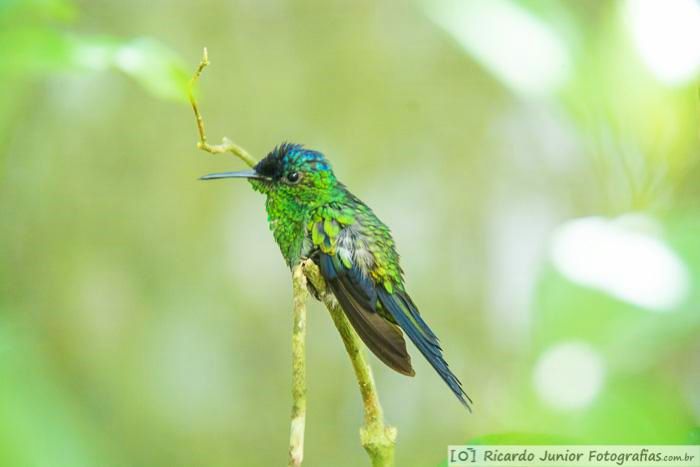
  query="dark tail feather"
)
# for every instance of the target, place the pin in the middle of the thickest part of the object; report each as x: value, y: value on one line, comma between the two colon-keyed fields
x: 401, y: 307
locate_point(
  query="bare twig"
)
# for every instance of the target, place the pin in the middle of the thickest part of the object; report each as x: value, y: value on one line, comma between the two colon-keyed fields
x: 296, y: 435
x: 377, y: 439
x: 226, y: 144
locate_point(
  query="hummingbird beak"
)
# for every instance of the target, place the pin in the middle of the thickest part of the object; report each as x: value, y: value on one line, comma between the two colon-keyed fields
x: 241, y: 174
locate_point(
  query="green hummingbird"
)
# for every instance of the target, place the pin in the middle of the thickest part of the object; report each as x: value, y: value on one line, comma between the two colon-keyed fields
x: 313, y: 215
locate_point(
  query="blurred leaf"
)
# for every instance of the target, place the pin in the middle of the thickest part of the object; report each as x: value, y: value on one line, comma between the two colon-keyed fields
x: 531, y: 60
x: 33, y: 50
x: 154, y: 66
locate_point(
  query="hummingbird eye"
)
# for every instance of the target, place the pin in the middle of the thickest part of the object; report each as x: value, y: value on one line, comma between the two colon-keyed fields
x: 293, y: 177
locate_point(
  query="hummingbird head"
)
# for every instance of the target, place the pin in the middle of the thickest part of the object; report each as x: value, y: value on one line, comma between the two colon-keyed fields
x: 291, y: 172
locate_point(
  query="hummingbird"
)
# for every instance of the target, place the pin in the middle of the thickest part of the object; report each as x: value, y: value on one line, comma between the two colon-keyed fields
x: 313, y: 215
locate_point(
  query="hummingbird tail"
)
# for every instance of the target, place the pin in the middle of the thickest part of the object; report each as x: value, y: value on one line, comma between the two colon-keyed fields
x: 404, y: 311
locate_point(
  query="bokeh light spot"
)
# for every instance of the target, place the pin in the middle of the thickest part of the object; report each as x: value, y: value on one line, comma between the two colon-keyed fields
x: 520, y: 49
x: 569, y: 375
x: 667, y: 37
x: 629, y: 264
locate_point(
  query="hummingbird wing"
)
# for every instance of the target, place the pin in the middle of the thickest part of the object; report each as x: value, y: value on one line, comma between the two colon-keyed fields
x: 359, y: 262
x: 356, y: 295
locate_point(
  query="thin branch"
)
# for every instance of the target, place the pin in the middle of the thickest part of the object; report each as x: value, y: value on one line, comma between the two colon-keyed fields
x: 377, y: 439
x: 296, y: 436
x: 226, y: 144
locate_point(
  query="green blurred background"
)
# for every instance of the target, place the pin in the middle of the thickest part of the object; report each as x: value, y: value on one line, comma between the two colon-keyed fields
x: 538, y: 162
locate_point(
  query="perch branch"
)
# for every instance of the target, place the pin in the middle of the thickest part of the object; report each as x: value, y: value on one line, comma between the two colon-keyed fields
x: 377, y: 439
x: 296, y: 435
x: 226, y: 144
